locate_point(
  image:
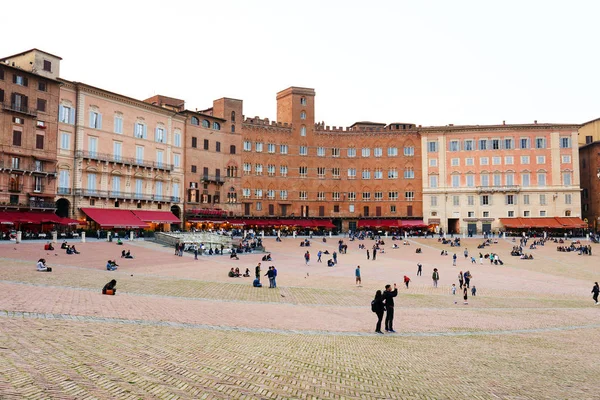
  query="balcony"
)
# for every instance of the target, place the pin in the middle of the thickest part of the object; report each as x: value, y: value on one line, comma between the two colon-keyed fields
x: 111, y: 194
x: 63, y: 190
x: 18, y: 108
x: 212, y: 178
x: 33, y: 167
x: 15, y: 188
x: 92, y: 155
x: 498, y: 189
x: 42, y: 204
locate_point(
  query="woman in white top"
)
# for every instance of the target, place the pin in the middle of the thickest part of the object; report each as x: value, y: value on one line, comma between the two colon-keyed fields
x: 41, y: 266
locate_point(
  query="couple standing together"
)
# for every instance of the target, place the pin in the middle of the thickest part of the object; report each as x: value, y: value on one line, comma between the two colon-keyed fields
x: 384, y: 302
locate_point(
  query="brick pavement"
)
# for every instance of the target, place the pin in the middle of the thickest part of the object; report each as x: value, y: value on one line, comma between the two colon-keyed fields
x: 194, y: 333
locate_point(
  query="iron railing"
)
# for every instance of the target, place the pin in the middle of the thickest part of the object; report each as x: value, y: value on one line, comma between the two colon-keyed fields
x: 20, y: 109
x: 111, y: 194
x: 93, y: 155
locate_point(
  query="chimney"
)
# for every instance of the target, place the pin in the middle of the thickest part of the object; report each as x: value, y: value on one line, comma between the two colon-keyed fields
x: 535, y: 122
x: 503, y: 122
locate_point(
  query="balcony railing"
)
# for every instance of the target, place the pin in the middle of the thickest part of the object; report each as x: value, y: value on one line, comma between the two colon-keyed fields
x: 501, y: 189
x: 45, y: 168
x: 93, y: 155
x: 15, y: 188
x: 212, y: 178
x: 20, y: 109
x: 38, y: 188
x: 63, y: 190
x: 111, y: 194
x: 42, y: 204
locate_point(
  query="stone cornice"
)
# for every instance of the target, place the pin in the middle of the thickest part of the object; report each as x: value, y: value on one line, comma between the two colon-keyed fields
x: 490, y: 128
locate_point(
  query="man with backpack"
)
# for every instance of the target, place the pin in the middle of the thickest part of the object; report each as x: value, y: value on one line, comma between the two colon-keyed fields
x: 388, y: 297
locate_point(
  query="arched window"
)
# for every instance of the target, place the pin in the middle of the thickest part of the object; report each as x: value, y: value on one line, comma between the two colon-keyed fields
x: 303, y: 115
x: 195, y: 121
x: 205, y: 123
x: 567, y: 213
x: 302, y: 130
x: 216, y: 126
x: 232, y: 128
x: 233, y: 116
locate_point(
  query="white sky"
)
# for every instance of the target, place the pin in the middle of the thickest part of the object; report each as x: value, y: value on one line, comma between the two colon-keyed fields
x: 426, y: 62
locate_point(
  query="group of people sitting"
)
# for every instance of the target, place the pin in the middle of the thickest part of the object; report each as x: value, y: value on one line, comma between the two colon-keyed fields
x: 526, y: 256
x: 48, y: 246
x: 69, y: 249
x: 236, y: 273
x: 418, y: 250
x: 233, y: 255
x: 111, y: 265
x: 267, y: 257
x: 305, y: 243
x: 516, y: 251
x: 453, y: 242
x: 41, y: 266
x: 126, y: 254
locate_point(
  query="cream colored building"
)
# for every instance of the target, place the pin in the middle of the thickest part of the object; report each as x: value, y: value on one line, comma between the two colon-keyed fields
x: 115, y: 152
x: 475, y: 175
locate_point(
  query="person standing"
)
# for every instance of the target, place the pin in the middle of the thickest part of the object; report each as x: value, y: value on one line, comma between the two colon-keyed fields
x: 177, y: 248
x: 195, y: 252
x: 466, y: 253
x: 419, y: 269
x: 473, y: 291
x: 357, y: 275
x: 307, y: 257
x: 388, y: 296
x: 269, y: 275
x: 480, y: 259
x: 465, y: 294
x: 374, y: 254
x: 319, y: 256
x: 368, y: 255
x: 406, y: 281
x: 379, y: 308
x: 274, y: 277
x: 467, y: 275
x: 257, y: 272
x: 335, y: 257
x: 460, y: 279
x: 595, y: 291
x: 454, y: 260
x: 436, y: 277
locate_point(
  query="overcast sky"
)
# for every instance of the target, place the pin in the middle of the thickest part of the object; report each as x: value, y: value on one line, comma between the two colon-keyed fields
x: 426, y: 62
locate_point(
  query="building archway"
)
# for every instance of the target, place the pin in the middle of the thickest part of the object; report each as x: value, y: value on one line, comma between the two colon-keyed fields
x: 62, y: 208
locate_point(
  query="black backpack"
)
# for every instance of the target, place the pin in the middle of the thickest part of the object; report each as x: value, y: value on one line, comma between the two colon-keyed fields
x: 373, y: 306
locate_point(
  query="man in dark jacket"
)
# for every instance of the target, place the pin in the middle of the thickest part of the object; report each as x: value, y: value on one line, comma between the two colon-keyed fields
x: 595, y: 291
x: 388, y: 296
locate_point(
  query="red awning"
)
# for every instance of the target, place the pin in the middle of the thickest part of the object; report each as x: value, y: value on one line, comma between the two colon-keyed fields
x: 5, y: 219
x: 511, y: 222
x: 323, y: 223
x: 114, y: 218
x: 157, y: 216
x: 69, y: 221
x: 543, y: 223
x: 378, y: 223
x: 571, y: 222
x: 412, y: 223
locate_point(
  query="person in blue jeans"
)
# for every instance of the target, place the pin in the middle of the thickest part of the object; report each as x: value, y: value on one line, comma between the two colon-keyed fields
x: 274, y: 277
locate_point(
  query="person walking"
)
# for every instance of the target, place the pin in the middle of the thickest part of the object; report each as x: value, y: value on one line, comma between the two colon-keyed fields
x: 595, y: 291
x: 406, y: 281
x: 465, y: 295
x: 436, y: 277
x: 307, y: 257
x: 419, y: 269
x: 319, y: 256
x: 473, y: 291
x: 460, y: 279
x: 368, y: 255
x: 357, y: 275
x: 378, y: 307
x: 466, y: 253
x: 195, y: 252
x: 480, y: 258
x: 468, y: 277
x: 388, y: 296
x: 454, y: 260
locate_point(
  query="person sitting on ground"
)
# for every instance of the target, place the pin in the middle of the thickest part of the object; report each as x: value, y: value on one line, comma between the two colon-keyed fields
x: 233, y: 255
x: 256, y: 283
x: 324, y: 240
x: 74, y: 250
x: 128, y: 254
x: 267, y: 257
x: 231, y: 273
x: 119, y: 242
x: 247, y: 273
x: 237, y: 273
x: 69, y: 250
x: 64, y: 245
x: 41, y: 266
x: 111, y: 265
x: 326, y: 252
x: 330, y: 263
x: 395, y: 246
x: 48, y: 246
x: 122, y: 253
x: 110, y: 288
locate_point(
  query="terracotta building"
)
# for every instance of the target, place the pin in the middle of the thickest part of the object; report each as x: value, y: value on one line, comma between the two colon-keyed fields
x: 476, y: 178
x: 29, y: 93
x: 118, y: 153
x: 298, y: 168
x: 589, y: 165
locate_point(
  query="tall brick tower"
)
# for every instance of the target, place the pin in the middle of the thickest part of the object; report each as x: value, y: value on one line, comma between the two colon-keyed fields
x: 296, y: 106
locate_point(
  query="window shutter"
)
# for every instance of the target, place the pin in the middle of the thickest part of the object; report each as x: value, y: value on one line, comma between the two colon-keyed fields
x: 13, y: 98
x: 156, y: 134
x: 72, y: 116
x: 24, y: 101
x: 61, y: 112
x: 14, y: 78
x: 145, y: 132
x: 91, y: 118
x: 39, y: 142
x: 25, y: 81
x: 1, y: 96
x: 99, y: 121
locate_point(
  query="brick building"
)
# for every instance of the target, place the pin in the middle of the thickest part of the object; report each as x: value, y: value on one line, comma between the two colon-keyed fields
x: 589, y: 166
x: 29, y: 93
x: 477, y: 178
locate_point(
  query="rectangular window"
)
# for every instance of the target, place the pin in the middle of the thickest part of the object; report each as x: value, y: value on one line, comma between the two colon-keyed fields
x: 283, y: 170
x: 321, y: 172
x: 541, y: 179
x: 118, y: 127
x: 41, y: 105
x: 247, y: 145
x: 510, y: 179
x: 454, y: 145
x: 20, y: 80
x: 568, y: 198
x: 321, y: 196
x: 496, y: 160
x: 303, y: 171
x: 525, y: 143
x: 366, y: 196
x: 484, y: 200
x: 159, y: 158
x: 540, y: 143
x: 303, y: 195
x: 377, y: 152
x: 65, y: 141
x: 470, y: 180
x: 335, y: 173
x: 471, y: 214
x: 194, y: 142
x: 524, y: 160
x: 378, y: 174
x: 484, y: 161
x: 258, y: 193
x: 566, y: 177
x: 218, y: 147
x: 177, y: 139
x: 283, y: 149
x: 16, y: 138
x: 351, y: 152
x: 455, y: 162
x: 283, y: 194
x: 47, y: 66
x: 206, y: 144
x: 335, y: 152
x: 351, y: 173
x: 526, y: 199
x: 409, y: 173
x: 95, y: 120
x: 378, y: 196
x: 509, y: 160
x: 432, y: 147
x: 42, y: 87
x: 139, y: 187
x: 139, y: 131
x: 139, y: 154
x: 495, y: 144
x: 270, y: 194
x: 366, y: 174
x: 176, y: 160
x: 393, y: 196
x: 540, y: 159
x: 566, y: 159
x: 485, y: 180
x: 542, y: 199
x: 510, y: 199
x: 542, y: 213
x: 456, y: 201
x: 246, y: 193
x: 366, y: 152
x: 409, y: 151
x: 565, y: 142
x: 194, y: 169
x: 320, y: 151
x: 409, y: 196
x: 247, y: 168
x: 471, y: 200
x: 66, y: 115
x: 526, y: 213
x: 433, y: 162
x: 433, y: 201
x: 271, y: 148
x: 393, y: 151
x: 93, y: 146
x: 352, y: 196
x: 433, y: 181
x: 91, y: 182
x: 508, y: 144
x: 525, y: 179
x: 469, y: 162
x: 258, y: 147
x: 455, y: 181
x: 482, y: 144
x: 469, y: 145
x: 303, y: 150
x: 497, y: 180
x: 392, y: 173
x: 63, y: 182
x: 39, y: 142
x: 271, y: 170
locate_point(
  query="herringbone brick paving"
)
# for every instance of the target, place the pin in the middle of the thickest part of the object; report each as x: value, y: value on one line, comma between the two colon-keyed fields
x: 194, y: 333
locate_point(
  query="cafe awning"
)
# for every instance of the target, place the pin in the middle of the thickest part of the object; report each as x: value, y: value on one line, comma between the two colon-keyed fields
x: 157, y: 216
x: 543, y: 223
x: 378, y: 223
x: 114, y: 218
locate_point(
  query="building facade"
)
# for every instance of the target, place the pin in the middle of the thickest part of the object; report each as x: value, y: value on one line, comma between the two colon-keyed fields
x: 298, y: 168
x: 475, y: 175
x: 29, y: 93
x: 115, y: 152
x: 589, y: 166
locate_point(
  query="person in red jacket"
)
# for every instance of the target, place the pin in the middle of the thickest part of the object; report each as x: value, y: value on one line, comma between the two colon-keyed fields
x: 406, y: 281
